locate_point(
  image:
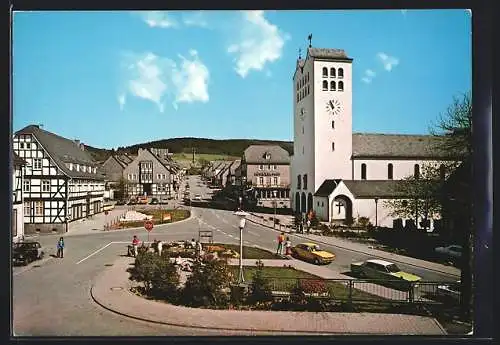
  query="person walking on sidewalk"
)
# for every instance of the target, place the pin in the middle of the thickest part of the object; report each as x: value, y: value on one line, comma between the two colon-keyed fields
x: 159, y: 247
x: 308, y: 226
x: 135, y: 245
x: 281, y: 240
x: 288, y: 246
x: 60, y: 248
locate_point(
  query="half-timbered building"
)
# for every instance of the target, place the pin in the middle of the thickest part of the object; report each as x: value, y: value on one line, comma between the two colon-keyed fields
x: 61, y: 182
x: 17, y: 198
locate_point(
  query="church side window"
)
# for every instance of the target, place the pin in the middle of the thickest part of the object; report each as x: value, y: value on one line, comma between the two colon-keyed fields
x: 341, y: 86
x: 332, y: 72
x: 390, y: 170
x: 341, y: 73
x: 325, y: 85
x: 325, y: 72
x: 333, y: 146
x: 332, y: 86
x: 299, y: 182
x: 333, y: 124
x: 363, y: 171
x: 305, y: 181
x: 416, y: 171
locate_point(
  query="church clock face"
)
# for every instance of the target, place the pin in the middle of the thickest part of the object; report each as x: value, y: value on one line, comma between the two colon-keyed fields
x: 333, y: 106
x: 302, y: 113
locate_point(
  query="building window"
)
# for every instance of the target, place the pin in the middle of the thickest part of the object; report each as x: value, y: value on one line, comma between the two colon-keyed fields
x: 84, y: 168
x: 325, y: 72
x: 299, y: 182
x: 341, y: 86
x: 363, y: 171
x: 275, y: 181
x: 332, y: 86
x: 28, y: 145
x: 38, y: 208
x: 261, y: 181
x: 307, y: 89
x: 297, y: 85
x: 333, y: 146
x: 341, y: 73
x: 26, y: 185
x: 45, y: 186
x: 390, y: 170
x: 325, y: 85
x: 274, y: 167
x: 261, y: 167
x: 333, y: 124
x: 37, y: 163
x: 27, y: 208
x: 21, y: 145
x: 268, y: 167
x: 332, y: 72
x: 416, y: 171
x: 305, y: 181
x: 78, y: 167
x: 297, y: 97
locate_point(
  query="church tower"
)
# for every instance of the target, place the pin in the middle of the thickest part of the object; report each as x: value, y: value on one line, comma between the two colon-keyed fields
x: 322, y: 89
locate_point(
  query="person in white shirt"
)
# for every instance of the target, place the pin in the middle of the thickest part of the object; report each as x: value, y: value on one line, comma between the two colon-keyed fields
x: 193, y: 243
x: 159, y: 245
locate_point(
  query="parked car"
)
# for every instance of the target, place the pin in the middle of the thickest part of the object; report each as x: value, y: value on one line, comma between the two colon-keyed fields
x: 453, y: 252
x: 25, y: 252
x: 384, y: 270
x: 312, y: 252
x: 449, y: 291
x: 197, y: 197
x: 154, y: 201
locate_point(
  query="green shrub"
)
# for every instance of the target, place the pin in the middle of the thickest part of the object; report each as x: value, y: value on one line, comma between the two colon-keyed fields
x: 207, y: 285
x: 363, y: 222
x: 260, y: 290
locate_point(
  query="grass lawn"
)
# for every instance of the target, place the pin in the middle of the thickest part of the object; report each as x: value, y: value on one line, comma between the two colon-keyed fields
x: 249, y: 252
x: 176, y: 215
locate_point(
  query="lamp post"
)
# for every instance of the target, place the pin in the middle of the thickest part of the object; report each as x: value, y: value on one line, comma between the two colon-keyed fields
x: 240, y: 200
x: 275, y: 202
x: 376, y: 212
x: 242, y: 215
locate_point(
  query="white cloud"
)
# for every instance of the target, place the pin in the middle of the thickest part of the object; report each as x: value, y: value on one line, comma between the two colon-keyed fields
x: 160, y: 19
x: 368, y: 77
x: 370, y: 73
x: 260, y: 42
x: 196, y: 18
x: 191, y: 79
x: 153, y: 78
x: 388, y: 61
x: 121, y: 101
x: 366, y: 80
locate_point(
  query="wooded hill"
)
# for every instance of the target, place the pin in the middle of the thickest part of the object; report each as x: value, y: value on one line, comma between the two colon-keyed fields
x: 229, y: 147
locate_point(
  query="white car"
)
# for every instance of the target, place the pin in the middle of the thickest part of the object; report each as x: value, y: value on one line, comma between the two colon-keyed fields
x: 450, y: 252
x: 197, y: 197
x: 449, y: 291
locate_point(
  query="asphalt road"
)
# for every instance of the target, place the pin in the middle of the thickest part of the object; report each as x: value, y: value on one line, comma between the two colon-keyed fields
x: 51, y: 297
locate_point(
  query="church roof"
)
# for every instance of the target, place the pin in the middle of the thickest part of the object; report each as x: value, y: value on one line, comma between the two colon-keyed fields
x: 327, y: 53
x: 256, y: 154
x: 383, y: 189
x: 375, y: 145
x: 327, y: 187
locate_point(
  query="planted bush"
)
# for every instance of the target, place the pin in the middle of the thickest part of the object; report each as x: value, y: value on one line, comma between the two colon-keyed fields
x: 313, y: 286
x: 260, y: 290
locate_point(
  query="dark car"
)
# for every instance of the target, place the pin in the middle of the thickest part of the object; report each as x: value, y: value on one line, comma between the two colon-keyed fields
x: 154, y: 201
x: 25, y: 252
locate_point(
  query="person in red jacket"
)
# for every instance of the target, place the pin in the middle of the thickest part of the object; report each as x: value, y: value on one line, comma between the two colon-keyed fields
x: 135, y: 244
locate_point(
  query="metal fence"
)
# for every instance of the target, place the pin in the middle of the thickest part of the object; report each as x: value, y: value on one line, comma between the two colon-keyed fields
x: 363, y: 290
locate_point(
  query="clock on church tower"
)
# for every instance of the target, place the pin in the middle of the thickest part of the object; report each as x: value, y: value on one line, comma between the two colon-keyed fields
x: 333, y: 106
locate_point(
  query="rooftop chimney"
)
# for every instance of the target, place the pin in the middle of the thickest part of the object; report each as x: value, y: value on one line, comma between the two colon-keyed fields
x: 82, y: 147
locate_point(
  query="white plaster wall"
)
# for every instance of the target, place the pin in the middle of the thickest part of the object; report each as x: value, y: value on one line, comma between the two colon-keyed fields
x: 20, y: 222
x: 330, y: 164
x: 377, y: 169
x: 321, y: 209
x: 340, y: 190
x: 303, y: 148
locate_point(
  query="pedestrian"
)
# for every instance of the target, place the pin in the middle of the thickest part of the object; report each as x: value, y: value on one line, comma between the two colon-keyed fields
x: 308, y: 226
x: 159, y: 246
x: 288, y: 246
x: 60, y: 248
x: 193, y: 243
x: 281, y: 239
x: 199, y: 249
x: 135, y: 245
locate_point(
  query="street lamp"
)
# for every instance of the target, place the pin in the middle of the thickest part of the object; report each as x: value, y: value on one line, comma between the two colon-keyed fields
x: 275, y: 202
x: 242, y: 215
x: 241, y: 200
x: 376, y: 212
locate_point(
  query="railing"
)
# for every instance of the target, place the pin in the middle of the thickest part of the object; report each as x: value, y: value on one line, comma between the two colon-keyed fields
x: 363, y: 290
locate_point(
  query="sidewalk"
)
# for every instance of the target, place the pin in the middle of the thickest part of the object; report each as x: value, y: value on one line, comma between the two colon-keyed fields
x: 359, y: 247
x: 111, y: 291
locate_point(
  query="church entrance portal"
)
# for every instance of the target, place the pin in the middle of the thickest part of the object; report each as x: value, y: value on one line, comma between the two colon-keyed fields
x: 297, y: 202
x: 341, y: 210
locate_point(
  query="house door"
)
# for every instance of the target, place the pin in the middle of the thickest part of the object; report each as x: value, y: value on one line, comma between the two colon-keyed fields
x: 147, y: 188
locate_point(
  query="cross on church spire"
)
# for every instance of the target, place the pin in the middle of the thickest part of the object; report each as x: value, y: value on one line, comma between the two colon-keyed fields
x: 300, y: 53
x: 310, y: 40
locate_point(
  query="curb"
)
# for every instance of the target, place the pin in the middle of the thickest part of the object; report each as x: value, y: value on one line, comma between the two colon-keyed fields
x: 356, y: 251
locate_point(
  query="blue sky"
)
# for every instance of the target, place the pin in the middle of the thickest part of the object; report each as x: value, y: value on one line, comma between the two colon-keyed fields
x: 119, y: 78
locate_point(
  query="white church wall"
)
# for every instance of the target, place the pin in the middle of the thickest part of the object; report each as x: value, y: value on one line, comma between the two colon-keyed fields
x: 321, y: 207
x: 377, y: 169
x: 377, y: 213
x: 340, y: 190
x: 331, y: 162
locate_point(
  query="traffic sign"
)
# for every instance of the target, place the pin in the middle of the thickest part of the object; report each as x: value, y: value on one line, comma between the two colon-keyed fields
x: 148, y: 225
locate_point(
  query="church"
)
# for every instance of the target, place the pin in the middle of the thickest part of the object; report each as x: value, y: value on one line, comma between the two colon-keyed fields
x: 342, y: 175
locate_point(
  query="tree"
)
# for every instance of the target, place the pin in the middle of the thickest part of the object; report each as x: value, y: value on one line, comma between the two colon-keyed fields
x: 121, y: 188
x: 260, y: 290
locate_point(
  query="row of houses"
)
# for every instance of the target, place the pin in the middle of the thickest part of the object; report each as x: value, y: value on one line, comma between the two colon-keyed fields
x: 263, y: 170
x: 55, y: 181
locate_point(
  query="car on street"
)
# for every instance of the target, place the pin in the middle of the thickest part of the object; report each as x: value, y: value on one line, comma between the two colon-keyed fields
x: 154, y: 201
x: 451, y: 252
x: 25, y: 252
x: 312, y: 252
x: 383, y: 270
x: 197, y: 197
x: 449, y: 291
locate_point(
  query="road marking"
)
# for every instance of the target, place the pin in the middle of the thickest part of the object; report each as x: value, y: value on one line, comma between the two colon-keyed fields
x: 253, y: 233
x: 94, y: 253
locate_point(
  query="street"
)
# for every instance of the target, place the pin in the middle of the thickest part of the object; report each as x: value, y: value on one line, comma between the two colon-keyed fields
x: 51, y: 297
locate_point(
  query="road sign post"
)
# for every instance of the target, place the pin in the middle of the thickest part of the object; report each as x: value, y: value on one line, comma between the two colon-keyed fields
x: 148, y: 225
